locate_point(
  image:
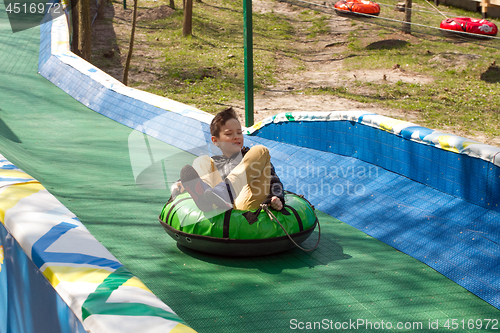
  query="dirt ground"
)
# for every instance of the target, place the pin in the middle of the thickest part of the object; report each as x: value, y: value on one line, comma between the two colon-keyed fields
x: 322, y: 70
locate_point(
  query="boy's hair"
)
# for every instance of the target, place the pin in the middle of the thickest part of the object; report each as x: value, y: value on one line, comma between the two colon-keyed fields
x: 220, y: 120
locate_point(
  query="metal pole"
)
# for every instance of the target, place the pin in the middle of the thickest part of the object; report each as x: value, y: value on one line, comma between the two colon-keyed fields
x: 248, y: 59
x: 124, y: 4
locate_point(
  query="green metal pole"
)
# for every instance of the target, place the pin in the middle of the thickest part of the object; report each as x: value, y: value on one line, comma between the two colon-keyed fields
x: 248, y: 51
x: 124, y: 4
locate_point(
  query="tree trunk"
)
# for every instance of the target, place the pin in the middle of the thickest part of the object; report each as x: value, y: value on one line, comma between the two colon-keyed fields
x: 187, y: 27
x: 100, y: 9
x: 81, y: 44
x: 172, y: 4
x: 76, y: 32
x: 131, y: 46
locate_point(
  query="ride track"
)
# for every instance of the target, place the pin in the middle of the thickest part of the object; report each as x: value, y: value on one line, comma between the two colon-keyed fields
x: 351, y: 281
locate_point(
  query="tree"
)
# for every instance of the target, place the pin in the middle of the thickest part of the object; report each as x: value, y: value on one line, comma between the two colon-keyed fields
x: 187, y: 26
x: 81, y: 44
x: 131, y: 46
x: 100, y: 9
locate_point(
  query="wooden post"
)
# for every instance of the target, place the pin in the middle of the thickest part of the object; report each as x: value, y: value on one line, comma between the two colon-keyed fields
x: 406, y: 28
x: 484, y: 8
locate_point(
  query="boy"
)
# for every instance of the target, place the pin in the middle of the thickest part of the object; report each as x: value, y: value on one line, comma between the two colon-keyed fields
x: 241, y: 178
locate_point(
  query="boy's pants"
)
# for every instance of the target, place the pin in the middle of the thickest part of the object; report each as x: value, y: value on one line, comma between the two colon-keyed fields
x: 250, y: 179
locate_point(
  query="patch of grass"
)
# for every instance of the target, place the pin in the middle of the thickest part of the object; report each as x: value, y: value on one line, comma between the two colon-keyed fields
x: 465, y: 91
x: 469, y: 105
x: 318, y: 23
x: 207, y: 68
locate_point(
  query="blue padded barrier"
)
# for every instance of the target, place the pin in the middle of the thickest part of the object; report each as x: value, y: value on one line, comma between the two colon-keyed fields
x: 443, y: 218
x: 126, y: 110
x: 493, y: 192
x: 467, y: 177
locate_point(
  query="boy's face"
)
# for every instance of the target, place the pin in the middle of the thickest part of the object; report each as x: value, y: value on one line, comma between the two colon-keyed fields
x: 230, y: 139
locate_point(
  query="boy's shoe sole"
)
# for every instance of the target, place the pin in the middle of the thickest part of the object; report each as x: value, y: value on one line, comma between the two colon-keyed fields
x: 213, y: 198
x: 192, y: 182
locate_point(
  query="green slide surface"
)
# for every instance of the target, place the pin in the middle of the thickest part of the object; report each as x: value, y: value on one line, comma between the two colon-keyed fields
x: 352, y: 281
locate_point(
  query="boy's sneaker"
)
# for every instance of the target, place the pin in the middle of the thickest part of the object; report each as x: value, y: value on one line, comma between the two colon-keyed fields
x: 195, y: 187
x: 203, y: 195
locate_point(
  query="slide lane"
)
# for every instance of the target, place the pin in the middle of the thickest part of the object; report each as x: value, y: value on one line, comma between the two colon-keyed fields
x: 86, y: 161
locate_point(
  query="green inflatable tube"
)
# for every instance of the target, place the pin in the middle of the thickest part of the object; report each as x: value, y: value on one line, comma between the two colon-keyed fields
x: 236, y: 232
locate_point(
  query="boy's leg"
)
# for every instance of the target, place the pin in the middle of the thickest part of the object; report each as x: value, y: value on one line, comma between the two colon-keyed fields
x: 251, y: 179
x: 207, y: 171
x: 194, y: 186
x: 203, y: 195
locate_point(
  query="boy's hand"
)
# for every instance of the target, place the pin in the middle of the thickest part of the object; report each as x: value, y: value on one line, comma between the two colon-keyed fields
x: 180, y: 188
x: 176, y: 189
x: 276, y: 203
